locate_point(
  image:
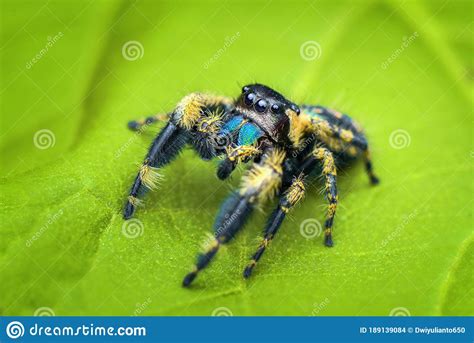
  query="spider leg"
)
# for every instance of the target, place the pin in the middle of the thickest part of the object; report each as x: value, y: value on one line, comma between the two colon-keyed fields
x: 260, y: 183
x: 164, y: 148
x: 352, y: 138
x: 233, y: 214
x: 324, y: 156
x: 169, y: 142
x: 137, y: 125
x: 289, y: 199
x: 368, y: 167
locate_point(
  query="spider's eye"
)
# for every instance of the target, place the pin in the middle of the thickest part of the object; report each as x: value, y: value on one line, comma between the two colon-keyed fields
x: 245, y: 89
x: 261, y: 105
x: 275, y: 108
x: 295, y: 108
x: 249, y: 99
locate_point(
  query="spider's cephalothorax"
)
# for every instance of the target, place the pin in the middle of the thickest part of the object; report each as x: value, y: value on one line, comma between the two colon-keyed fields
x: 286, y: 143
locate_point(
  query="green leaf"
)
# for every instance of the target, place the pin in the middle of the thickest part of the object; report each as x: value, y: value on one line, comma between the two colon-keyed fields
x: 401, y: 246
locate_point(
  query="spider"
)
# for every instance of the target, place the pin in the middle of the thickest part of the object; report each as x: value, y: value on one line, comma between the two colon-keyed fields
x: 284, y: 142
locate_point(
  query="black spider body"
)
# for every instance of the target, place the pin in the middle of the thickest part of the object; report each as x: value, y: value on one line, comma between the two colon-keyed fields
x: 285, y: 142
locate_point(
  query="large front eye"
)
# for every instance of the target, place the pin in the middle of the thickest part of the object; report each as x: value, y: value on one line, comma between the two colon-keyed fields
x: 261, y: 105
x: 249, y: 99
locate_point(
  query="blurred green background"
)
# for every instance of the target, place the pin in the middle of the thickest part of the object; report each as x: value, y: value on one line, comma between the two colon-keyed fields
x: 70, y: 82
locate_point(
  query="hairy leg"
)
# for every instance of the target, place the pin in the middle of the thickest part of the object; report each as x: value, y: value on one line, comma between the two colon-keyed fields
x: 260, y: 183
x: 178, y: 131
x: 325, y: 157
x: 287, y: 200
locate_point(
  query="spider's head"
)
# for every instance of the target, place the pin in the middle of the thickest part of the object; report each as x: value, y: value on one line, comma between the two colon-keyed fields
x: 267, y: 108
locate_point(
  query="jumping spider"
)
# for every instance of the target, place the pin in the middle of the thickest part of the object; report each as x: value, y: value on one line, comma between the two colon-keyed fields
x: 285, y: 142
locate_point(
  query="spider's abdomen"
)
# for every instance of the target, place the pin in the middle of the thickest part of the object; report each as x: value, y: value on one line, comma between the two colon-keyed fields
x: 332, y: 117
x: 326, y: 118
